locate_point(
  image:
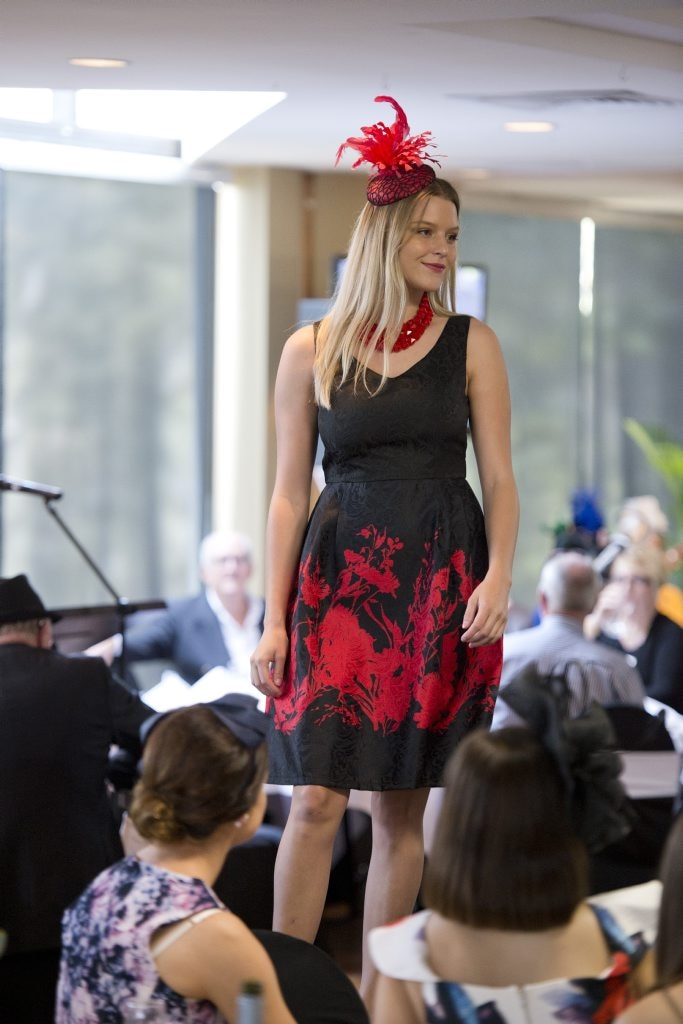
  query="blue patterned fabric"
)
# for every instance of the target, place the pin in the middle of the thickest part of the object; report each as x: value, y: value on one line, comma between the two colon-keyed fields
x: 400, y: 951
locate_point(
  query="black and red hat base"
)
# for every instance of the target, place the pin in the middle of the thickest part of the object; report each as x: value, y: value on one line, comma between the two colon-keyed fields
x: 388, y: 187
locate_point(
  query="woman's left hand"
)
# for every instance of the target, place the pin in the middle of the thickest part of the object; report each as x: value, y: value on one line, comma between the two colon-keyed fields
x: 486, y: 613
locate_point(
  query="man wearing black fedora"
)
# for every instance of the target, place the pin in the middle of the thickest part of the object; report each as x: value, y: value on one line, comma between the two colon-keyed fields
x: 59, y: 716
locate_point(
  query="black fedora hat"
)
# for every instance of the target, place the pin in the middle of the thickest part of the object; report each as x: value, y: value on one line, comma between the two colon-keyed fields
x: 20, y: 603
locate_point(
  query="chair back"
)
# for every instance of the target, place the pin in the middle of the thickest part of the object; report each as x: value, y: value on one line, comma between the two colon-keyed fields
x: 315, y: 988
x: 651, y: 776
x: 651, y: 764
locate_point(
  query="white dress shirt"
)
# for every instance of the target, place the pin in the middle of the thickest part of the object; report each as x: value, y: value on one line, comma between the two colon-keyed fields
x: 240, y: 638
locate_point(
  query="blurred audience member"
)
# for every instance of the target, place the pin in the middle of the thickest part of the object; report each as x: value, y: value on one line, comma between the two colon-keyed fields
x: 626, y: 618
x: 586, y: 530
x: 567, y: 591
x: 219, y: 626
x: 57, y: 825
x: 643, y: 521
x: 508, y: 935
x: 519, y: 617
x: 665, y: 1004
x: 150, y: 927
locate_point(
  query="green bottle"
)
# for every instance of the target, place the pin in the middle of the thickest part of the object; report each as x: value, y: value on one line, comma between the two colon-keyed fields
x: 250, y: 1003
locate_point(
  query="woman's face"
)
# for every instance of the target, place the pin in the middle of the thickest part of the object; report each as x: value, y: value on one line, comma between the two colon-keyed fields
x: 637, y: 589
x: 428, y: 250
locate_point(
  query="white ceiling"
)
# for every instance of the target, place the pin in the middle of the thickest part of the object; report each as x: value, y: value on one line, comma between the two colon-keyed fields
x: 608, y: 73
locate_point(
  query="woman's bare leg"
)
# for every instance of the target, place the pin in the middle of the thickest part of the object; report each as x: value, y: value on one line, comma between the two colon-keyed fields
x: 304, y: 859
x: 396, y: 866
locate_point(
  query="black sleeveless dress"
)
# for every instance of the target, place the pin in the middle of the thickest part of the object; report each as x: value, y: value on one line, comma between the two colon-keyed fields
x: 378, y: 688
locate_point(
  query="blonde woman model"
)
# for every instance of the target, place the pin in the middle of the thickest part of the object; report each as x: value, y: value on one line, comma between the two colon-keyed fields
x: 385, y: 609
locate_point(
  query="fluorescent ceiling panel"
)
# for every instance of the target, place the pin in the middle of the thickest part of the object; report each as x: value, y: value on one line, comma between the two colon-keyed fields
x: 200, y: 120
x: 33, y: 105
x: 81, y: 161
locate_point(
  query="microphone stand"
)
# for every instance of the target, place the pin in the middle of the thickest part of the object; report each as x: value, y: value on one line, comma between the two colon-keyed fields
x: 121, y: 602
x: 123, y: 607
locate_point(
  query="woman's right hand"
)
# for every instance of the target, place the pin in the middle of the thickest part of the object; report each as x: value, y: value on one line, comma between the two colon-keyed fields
x: 268, y: 661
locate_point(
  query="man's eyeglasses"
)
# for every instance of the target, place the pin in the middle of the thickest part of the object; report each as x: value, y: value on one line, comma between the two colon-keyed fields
x: 227, y: 559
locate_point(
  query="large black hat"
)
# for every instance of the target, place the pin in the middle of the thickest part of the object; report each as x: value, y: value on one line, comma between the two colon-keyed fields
x: 20, y: 603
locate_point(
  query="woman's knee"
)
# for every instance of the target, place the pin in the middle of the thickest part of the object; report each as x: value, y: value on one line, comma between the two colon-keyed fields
x: 399, y: 812
x: 317, y: 807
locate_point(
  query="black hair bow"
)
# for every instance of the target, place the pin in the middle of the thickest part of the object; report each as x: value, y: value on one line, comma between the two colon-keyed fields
x: 583, y: 750
x: 238, y: 712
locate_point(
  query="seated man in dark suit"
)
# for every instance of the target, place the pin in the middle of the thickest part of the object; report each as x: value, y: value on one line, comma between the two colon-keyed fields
x: 59, y: 716
x: 219, y: 626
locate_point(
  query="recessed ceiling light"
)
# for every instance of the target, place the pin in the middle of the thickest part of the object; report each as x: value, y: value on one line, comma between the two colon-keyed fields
x: 475, y: 173
x: 99, y: 62
x: 529, y: 126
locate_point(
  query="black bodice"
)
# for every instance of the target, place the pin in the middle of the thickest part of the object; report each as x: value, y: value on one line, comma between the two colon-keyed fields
x: 414, y: 428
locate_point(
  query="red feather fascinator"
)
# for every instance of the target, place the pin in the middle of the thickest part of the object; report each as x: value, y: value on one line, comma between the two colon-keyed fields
x: 398, y: 157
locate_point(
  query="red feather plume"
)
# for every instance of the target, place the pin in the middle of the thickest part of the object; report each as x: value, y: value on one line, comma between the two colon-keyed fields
x: 389, y: 148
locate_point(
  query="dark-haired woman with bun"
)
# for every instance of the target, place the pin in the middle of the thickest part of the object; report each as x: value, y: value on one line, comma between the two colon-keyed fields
x: 150, y: 928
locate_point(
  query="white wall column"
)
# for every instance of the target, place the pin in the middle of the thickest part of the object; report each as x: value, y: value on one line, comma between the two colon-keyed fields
x: 258, y: 260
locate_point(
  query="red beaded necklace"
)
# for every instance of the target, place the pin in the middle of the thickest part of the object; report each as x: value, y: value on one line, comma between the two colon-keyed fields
x: 412, y: 329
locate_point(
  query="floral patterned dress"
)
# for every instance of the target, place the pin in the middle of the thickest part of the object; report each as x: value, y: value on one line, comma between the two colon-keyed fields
x: 378, y: 688
x: 106, y: 935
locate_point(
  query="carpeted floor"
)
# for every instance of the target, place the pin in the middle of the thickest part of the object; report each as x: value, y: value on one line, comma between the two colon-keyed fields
x: 341, y: 935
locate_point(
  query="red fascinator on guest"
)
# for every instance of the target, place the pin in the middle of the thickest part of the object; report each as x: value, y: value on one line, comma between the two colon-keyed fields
x: 399, y: 158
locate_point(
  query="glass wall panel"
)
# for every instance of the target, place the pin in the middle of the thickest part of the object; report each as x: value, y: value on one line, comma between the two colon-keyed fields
x: 98, y: 381
x: 639, y: 352
x: 532, y: 305
x: 627, y: 357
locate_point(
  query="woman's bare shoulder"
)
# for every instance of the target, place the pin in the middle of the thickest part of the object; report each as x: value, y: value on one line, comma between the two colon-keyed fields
x: 227, y: 925
x: 227, y: 939
x: 206, y: 928
x: 481, y: 335
x: 298, y: 355
x: 302, y: 341
x: 214, y: 958
x: 198, y: 949
x: 485, y: 359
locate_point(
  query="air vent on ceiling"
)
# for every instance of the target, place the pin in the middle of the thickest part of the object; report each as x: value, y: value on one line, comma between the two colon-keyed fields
x: 566, y: 97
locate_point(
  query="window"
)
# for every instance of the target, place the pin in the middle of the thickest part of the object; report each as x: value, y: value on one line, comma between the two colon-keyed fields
x: 100, y: 383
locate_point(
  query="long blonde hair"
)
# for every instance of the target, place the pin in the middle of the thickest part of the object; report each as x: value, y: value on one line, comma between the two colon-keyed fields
x: 373, y: 291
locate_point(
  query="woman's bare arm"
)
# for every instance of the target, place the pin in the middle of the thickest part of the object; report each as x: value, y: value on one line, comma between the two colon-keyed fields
x: 489, y: 397
x: 214, y: 959
x: 397, y: 1002
x: 296, y: 431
